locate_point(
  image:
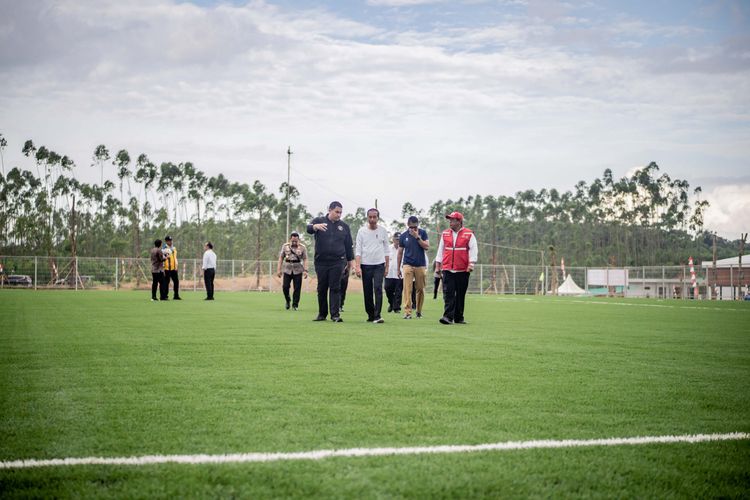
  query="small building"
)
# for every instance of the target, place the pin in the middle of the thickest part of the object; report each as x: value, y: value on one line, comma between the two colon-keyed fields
x: 728, y: 281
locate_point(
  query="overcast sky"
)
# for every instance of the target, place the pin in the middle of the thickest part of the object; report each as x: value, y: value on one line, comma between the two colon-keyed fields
x: 399, y: 100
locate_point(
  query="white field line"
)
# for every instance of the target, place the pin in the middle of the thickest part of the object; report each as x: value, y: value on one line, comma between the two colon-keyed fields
x: 369, y: 452
x: 686, y: 308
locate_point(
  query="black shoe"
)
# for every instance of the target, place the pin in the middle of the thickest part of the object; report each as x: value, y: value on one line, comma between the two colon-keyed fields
x: 294, y: 307
x: 319, y: 318
x: 461, y: 322
x: 397, y: 311
x: 165, y: 298
x: 419, y: 315
x: 445, y: 321
x: 177, y: 298
x: 287, y: 306
x: 337, y: 319
x: 390, y: 309
x: 378, y: 320
x: 153, y: 299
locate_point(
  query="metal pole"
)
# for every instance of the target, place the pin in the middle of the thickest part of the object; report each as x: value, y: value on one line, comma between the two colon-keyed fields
x: 481, y: 279
x: 117, y: 272
x: 514, y: 279
x: 35, y: 271
x: 75, y: 274
x: 288, y: 177
x: 195, y: 275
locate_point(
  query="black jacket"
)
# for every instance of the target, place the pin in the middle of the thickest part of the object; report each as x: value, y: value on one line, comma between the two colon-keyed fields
x: 334, y: 244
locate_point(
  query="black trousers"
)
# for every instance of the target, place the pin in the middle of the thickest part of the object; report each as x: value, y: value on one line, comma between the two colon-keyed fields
x: 157, y: 282
x: 288, y: 279
x: 329, y: 287
x: 394, y: 287
x: 372, y: 286
x: 171, y: 275
x: 437, y: 285
x: 454, y: 294
x: 208, y: 280
x: 344, y: 285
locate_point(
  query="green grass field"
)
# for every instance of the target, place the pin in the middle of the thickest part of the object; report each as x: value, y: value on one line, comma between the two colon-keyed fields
x: 112, y: 374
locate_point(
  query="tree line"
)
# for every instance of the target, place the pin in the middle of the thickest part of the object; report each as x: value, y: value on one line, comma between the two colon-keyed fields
x: 647, y: 218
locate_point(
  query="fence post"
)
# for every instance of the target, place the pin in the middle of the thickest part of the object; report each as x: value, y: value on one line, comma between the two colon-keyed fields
x: 76, y: 274
x: 664, y: 284
x: 481, y: 279
x: 232, y: 269
x: 514, y: 279
x: 35, y: 271
x: 117, y: 272
x: 270, y: 277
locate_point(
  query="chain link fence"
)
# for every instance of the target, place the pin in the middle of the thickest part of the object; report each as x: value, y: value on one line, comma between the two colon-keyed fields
x: 85, y: 273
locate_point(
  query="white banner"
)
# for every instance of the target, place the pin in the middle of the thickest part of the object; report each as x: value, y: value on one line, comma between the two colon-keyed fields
x: 607, y: 277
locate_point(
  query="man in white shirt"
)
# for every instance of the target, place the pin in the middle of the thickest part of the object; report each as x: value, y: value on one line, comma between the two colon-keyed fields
x: 209, y: 270
x: 371, y: 260
x: 393, y: 284
x: 456, y: 256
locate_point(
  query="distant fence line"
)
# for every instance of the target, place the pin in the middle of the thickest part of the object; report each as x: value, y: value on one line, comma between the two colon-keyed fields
x: 83, y: 273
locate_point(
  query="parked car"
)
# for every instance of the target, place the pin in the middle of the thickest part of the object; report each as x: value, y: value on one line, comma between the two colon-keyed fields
x: 17, y: 280
x: 70, y: 281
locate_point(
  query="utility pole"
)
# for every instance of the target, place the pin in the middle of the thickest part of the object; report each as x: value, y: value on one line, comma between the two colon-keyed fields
x: 713, y: 286
x: 288, y: 173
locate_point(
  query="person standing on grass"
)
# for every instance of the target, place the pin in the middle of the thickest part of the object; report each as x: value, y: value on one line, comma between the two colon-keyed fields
x: 437, y: 275
x: 393, y: 284
x: 456, y: 256
x: 209, y: 270
x: 170, y: 269
x: 293, y: 264
x: 333, y: 251
x: 157, y: 271
x: 344, y: 285
x: 413, y: 246
x: 372, y: 259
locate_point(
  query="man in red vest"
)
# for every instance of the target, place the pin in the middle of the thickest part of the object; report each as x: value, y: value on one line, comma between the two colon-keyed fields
x: 456, y: 256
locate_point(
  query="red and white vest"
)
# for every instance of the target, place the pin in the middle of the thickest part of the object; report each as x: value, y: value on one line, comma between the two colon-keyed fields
x: 456, y: 254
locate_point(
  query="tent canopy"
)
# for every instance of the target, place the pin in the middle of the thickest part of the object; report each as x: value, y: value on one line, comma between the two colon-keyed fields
x: 569, y: 287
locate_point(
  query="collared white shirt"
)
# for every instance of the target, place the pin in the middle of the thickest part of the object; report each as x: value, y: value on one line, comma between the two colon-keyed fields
x: 393, y: 264
x: 209, y: 259
x: 473, y: 252
x: 372, y: 245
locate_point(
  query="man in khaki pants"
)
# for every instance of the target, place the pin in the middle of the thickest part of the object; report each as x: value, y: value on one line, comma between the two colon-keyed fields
x: 412, y: 249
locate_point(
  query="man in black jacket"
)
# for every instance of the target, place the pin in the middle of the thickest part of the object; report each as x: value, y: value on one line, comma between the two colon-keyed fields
x: 333, y: 250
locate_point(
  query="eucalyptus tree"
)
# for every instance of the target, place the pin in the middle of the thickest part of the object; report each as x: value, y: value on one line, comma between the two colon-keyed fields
x: 100, y: 156
x: 259, y: 203
x: 122, y: 163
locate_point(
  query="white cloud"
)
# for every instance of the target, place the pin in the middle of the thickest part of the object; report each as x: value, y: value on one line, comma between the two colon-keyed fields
x: 729, y: 213
x: 230, y: 87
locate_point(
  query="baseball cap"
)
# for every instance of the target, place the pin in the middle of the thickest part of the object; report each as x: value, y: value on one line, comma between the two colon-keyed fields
x: 294, y: 233
x: 455, y: 215
x: 167, y: 238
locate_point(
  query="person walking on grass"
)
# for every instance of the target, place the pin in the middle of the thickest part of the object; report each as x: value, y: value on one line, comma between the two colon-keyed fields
x: 170, y: 269
x: 209, y: 270
x: 372, y: 258
x: 293, y: 265
x: 413, y: 246
x: 157, y: 271
x: 456, y: 256
x: 333, y: 251
x: 393, y: 284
